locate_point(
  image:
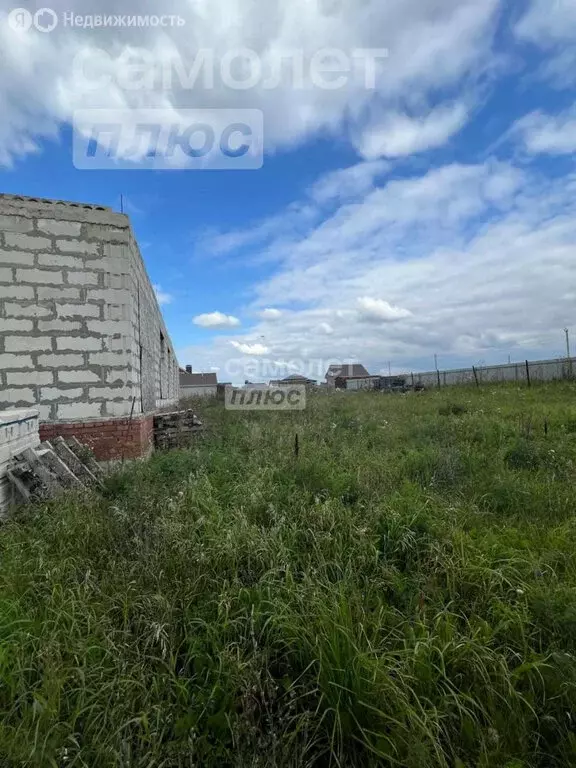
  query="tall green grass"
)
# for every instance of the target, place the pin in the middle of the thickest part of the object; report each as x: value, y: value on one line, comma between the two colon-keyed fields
x: 402, y: 593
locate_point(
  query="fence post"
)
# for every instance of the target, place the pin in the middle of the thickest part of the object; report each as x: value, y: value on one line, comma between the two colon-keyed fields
x: 475, y: 375
x: 438, y: 375
x: 528, y: 373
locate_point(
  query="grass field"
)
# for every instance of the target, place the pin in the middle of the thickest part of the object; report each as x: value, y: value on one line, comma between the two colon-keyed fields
x: 402, y: 593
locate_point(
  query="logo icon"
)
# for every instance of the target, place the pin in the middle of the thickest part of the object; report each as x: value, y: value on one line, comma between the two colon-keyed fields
x: 45, y: 20
x: 285, y: 398
x: 20, y: 19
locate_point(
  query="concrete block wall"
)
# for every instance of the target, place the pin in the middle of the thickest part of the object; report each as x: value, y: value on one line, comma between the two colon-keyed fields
x: 77, y: 314
x: 18, y: 431
x: 540, y: 370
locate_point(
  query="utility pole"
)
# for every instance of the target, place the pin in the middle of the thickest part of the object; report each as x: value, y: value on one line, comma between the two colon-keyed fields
x: 567, y: 332
x: 389, y: 368
x: 436, y: 362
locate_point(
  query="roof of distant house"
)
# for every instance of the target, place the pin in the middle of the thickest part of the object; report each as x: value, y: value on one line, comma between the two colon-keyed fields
x: 302, y: 379
x: 347, y: 371
x: 198, y: 379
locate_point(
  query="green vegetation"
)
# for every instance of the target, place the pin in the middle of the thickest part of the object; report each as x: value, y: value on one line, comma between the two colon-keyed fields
x: 402, y: 593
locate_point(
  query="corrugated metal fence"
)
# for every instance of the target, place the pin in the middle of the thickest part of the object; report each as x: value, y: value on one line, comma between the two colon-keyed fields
x: 539, y: 370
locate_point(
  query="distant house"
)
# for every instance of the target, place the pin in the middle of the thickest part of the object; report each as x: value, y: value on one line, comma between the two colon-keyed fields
x: 197, y: 384
x: 350, y: 376
x: 294, y: 379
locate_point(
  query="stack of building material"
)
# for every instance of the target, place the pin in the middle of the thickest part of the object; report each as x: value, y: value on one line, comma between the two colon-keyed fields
x: 176, y: 429
x: 45, y: 470
x: 18, y: 431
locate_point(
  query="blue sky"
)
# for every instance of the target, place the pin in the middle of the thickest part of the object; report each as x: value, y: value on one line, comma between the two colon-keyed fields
x: 431, y: 213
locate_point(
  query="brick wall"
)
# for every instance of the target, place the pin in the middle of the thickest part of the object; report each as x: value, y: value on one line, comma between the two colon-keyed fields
x: 78, y: 314
x: 110, y: 439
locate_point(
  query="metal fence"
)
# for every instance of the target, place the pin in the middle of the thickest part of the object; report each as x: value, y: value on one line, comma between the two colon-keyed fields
x: 539, y: 370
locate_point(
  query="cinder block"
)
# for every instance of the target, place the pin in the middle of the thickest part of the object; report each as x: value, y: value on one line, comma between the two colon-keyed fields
x: 58, y: 260
x: 109, y: 295
x: 110, y: 393
x: 45, y: 412
x: 60, y: 361
x: 109, y: 234
x: 78, y: 310
x: 59, y: 325
x: 54, y: 393
x: 6, y: 275
x: 116, y: 344
x: 13, y: 324
x: 121, y: 408
x: 41, y: 276
x: 78, y: 376
x: 19, y: 258
x: 26, y: 310
x: 83, y: 278
x: 58, y: 228
x: 77, y: 246
x: 116, y: 311
x: 15, y: 361
x: 27, y: 242
x: 27, y: 343
x: 106, y: 327
x: 79, y: 411
x: 119, y: 377
x: 16, y: 224
x: 19, y: 395
x: 58, y: 293
x: 115, y: 280
x: 16, y: 292
x: 111, y: 359
x: 30, y: 378
x: 83, y: 343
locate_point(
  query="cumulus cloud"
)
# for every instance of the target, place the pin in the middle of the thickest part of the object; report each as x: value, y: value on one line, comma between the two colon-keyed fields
x: 250, y: 349
x: 162, y: 296
x: 397, y: 135
x: 432, y: 47
x: 270, y: 314
x: 548, y: 134
x: 480, y: 255
x: 380, y: 311
x: 216, y: 320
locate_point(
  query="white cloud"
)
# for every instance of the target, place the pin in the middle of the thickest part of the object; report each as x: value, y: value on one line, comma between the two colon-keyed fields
x: 397, y: 135
x: 217, y: 320
x: 379, y: 311
x: 548, y: 134
x: 250, y: 349
x: 162, y: 296
x: 547, y: 21
x: 551, y: 24
x: 270, y: 314
x: 432, y: 47
x: 480, y: 255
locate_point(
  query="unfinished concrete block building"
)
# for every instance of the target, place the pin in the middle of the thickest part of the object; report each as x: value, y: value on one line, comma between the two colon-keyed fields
x: 82, y: 338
